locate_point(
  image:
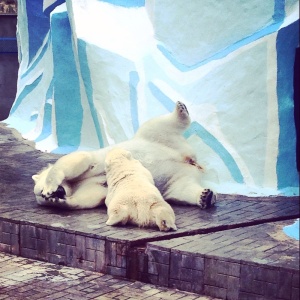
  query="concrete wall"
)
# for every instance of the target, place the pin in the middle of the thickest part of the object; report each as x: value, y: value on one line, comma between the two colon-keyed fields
x: 8, y: 63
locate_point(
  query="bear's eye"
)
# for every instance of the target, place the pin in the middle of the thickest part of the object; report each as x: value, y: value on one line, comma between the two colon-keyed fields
x: 164, y: 222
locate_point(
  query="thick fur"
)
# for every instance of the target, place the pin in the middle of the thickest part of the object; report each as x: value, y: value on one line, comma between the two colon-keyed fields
x: 158, y: 144
x: 132, y: 196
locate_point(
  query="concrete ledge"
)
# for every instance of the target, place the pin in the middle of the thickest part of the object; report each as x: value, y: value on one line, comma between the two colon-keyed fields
x: 257, y: 262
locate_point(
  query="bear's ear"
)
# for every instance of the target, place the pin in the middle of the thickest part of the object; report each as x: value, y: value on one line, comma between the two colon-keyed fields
x: 35, y: 177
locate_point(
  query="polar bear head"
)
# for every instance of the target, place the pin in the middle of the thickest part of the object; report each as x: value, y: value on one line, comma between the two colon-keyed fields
x: 120, y: 162
x: 116, y: 156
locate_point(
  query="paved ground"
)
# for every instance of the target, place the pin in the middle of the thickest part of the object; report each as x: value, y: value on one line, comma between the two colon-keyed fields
x: 22, y: 278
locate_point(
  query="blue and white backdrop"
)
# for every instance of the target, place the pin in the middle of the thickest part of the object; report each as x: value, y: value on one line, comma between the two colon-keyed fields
x: 92, y: 71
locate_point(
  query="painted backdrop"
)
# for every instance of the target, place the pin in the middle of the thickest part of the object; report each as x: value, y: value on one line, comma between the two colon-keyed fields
x: 92, y: 71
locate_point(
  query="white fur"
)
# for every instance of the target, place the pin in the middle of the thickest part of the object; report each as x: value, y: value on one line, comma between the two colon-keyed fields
x: 132, y: 196
x: 159, y: 145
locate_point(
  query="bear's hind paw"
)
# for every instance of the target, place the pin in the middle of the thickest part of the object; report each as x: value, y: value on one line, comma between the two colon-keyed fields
x: 207, y: 199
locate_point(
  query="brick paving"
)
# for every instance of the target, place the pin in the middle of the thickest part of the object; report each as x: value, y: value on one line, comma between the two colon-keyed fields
x: 80, y: 239
x: 22, y: 278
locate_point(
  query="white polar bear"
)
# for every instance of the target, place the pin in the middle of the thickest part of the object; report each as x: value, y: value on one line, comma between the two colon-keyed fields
x: 158, y: 144
x: 132, y: 196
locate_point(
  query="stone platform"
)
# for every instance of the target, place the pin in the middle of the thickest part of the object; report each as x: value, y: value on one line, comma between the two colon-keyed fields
x: 236, y: 250
x: 256, y: 262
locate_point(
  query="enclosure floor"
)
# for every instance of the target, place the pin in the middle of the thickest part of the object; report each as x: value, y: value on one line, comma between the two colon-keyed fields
x: 239, y: 229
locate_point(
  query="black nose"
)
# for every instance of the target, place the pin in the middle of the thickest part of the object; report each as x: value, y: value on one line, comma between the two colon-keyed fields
x: 60, y: 192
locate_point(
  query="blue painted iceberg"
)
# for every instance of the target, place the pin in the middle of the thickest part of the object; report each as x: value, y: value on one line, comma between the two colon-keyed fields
x: 92, y: 71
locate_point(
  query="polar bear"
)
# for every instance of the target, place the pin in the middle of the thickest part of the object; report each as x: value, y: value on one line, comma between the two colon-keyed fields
x: 132, y: 196
x: 74, y: 194
x: 158, y: 144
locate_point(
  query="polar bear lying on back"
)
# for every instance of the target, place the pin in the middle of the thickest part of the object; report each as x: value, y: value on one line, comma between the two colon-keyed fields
x: 132, y: 196
x: 77, y: 180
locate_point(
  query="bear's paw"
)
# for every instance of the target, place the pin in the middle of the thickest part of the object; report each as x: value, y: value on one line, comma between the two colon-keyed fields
x: 207, y: 199
x: 59, y: 193
x: 181, y: 109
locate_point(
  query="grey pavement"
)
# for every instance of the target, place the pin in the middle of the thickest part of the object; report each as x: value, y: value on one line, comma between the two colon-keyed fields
x: 23, y: 278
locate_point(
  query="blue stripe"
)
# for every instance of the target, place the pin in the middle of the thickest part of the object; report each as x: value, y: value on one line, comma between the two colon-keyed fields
x: 287, y: 41
x: 47, y: 119
x: 68, y: 108
x: 206, y: 137
x: 34, y: 117
x: 161, y: 97
x: 126, y: 3
x: 38, y: 26
x: 50, y: 91
x: 47, y: 128
x: 37, y: 59
x: 279, y: 10
x: 27, y: 90
x: 223, y: 53
x: 86, y: 75
x: 133, y: 82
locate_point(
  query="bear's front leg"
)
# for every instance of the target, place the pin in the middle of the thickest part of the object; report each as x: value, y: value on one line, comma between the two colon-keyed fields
x: 69, y: 167
x: 52, y: 183
x: 88, y: 193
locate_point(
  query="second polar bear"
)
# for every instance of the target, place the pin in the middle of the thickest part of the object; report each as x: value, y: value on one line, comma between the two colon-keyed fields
x: 132, y: 196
